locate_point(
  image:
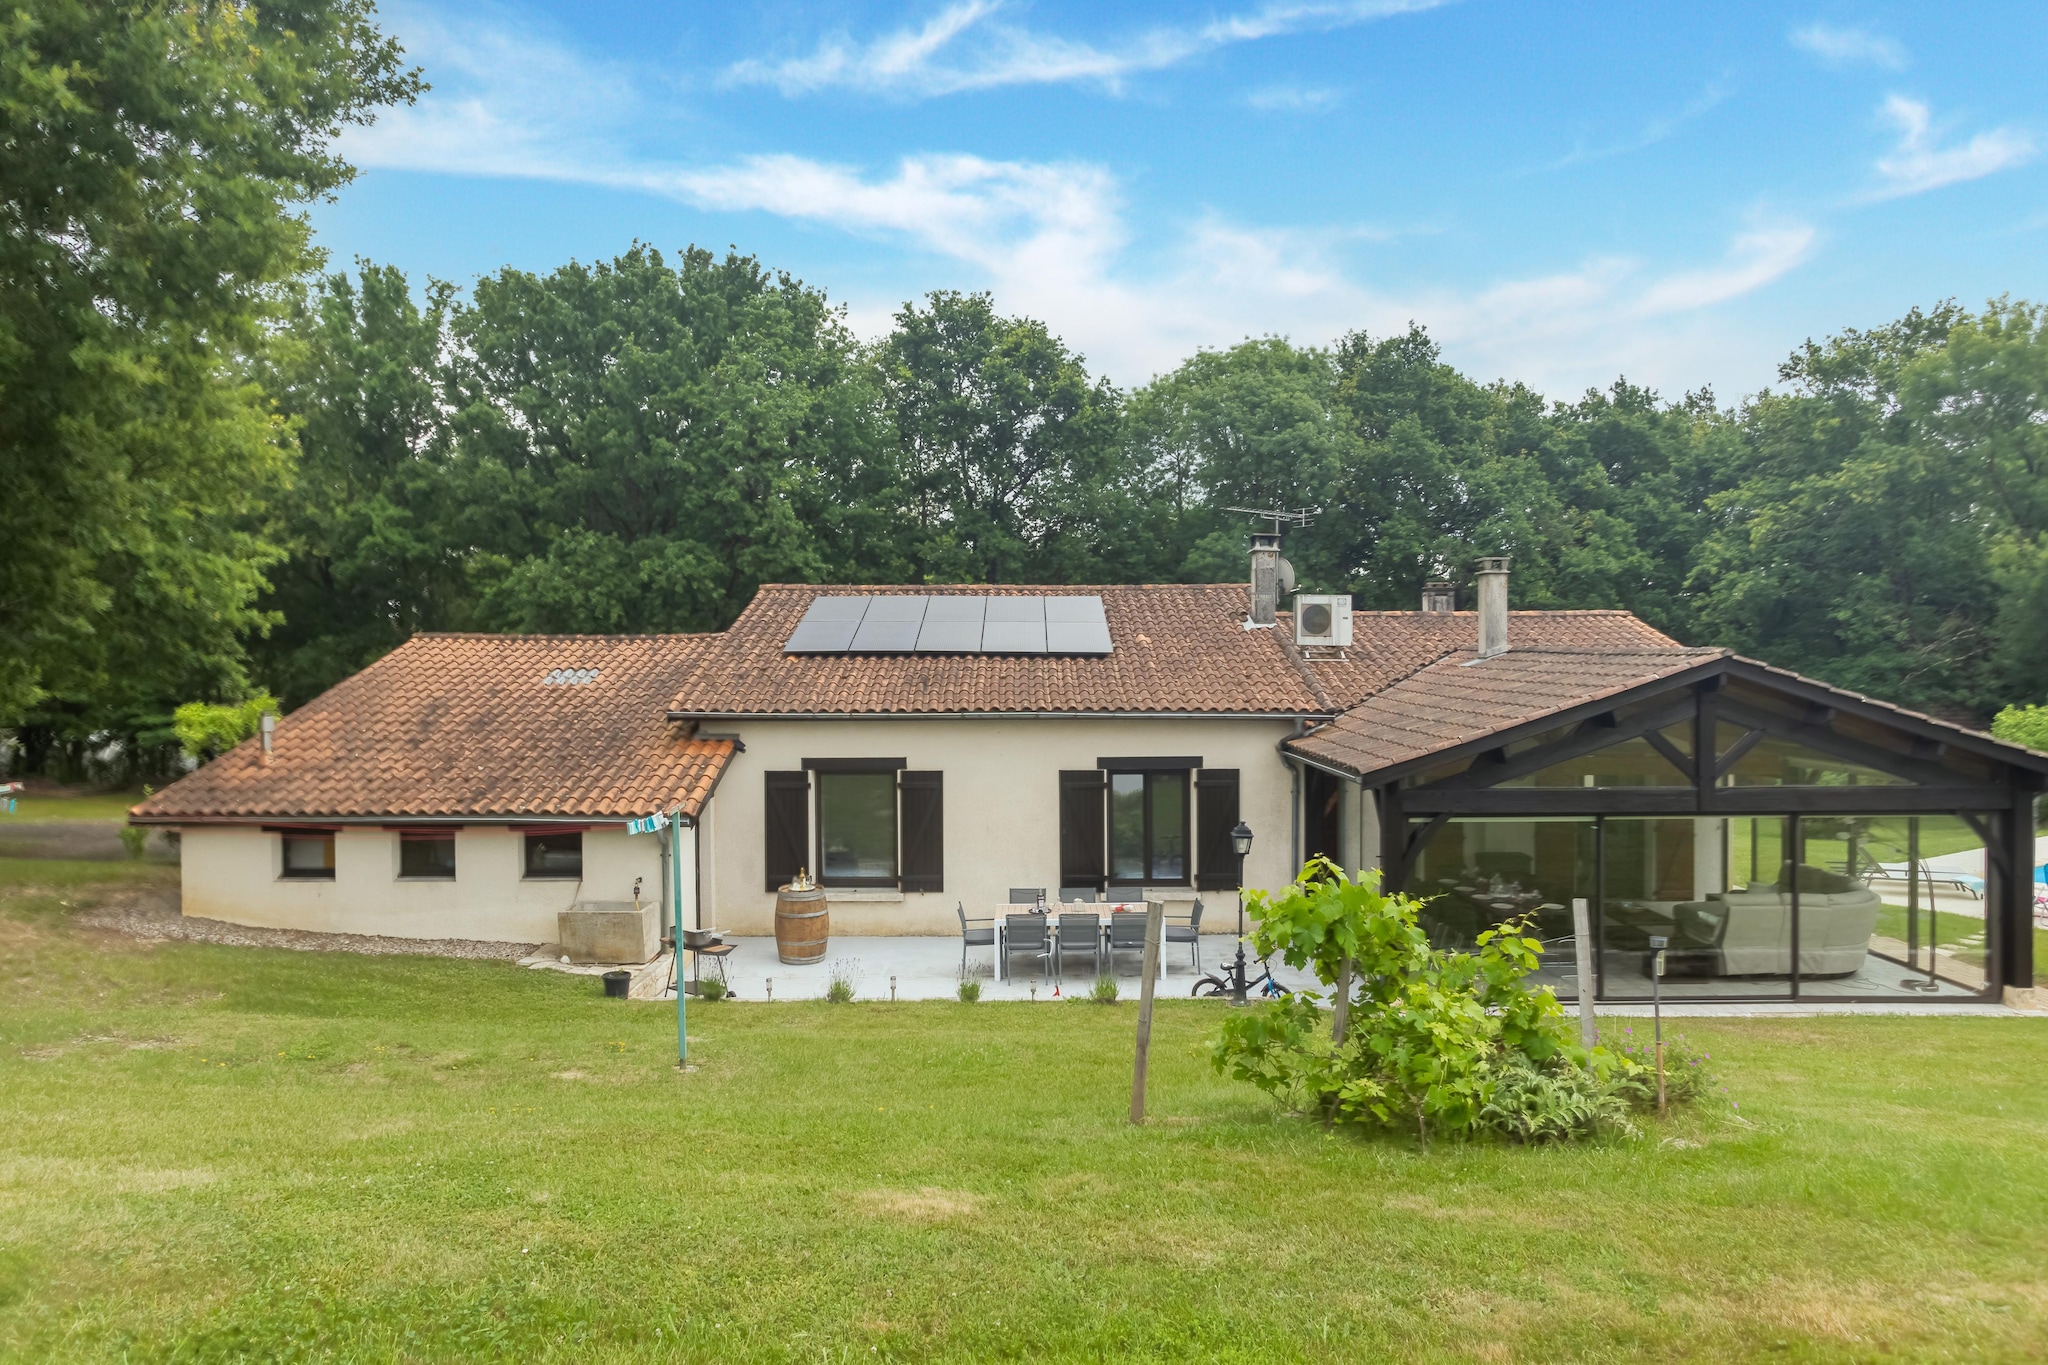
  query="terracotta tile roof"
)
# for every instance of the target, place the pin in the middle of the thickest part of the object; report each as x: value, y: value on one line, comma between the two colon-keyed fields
x: 468, y: 725
x: 1179, y: 648
x: 1453, y: 700
x: 1389, y: 645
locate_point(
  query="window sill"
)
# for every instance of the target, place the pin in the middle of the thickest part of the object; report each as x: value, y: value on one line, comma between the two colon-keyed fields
x: 304, y: 877
x: 531, y: 877
x: 426, y: 879
x: 862, y: 893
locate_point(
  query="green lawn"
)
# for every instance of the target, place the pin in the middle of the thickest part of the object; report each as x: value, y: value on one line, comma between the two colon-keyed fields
x: 213, y: 1154
x: 74, y: 804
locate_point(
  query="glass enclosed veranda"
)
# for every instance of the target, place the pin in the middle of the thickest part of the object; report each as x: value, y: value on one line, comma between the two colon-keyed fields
x: 1790, y: 843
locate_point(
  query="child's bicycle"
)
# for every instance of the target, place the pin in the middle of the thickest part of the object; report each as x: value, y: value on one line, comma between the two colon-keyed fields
x: 1223, y: 983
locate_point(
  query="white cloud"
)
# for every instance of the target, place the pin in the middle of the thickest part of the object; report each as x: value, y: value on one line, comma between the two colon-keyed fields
x: 1293, y: 99
x: 1849, y: 46
x: 504, y: 102
x: 967, y: 47
x: 1651, y: 133
x: 1051, y: 240
x: 1917, y: 164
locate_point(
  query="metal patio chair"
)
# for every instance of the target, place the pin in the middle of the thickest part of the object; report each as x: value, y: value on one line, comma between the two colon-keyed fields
x: 1189, y: 933
x: 1078, y: 934
x: 1025, y: 934
x: 1127, y: 934
x: 1077, y: 895
x: 972, y: 936
x: 1027, y: 895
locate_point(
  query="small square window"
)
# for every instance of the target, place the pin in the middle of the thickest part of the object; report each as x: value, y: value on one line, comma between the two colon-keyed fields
x: 427, y: 855
x: 309, y: 855
x: 554, y: 855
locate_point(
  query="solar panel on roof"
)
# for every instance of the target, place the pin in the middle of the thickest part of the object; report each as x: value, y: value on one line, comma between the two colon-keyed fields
x: 828, y: 625
x: 952, y: 625
x: 890, y: 625
x: 901, y: 623
x: 1015, y: 625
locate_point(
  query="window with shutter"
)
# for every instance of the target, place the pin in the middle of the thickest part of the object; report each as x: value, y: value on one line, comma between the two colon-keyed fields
x: 1081, y: 828
x: 788, y: 826
x: 1215, y: 816
x: 924, y: 830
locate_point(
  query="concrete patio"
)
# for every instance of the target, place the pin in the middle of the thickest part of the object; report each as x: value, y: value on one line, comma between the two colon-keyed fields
x: 929, y: 969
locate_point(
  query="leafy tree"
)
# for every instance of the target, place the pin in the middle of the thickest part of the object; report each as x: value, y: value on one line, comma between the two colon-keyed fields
x: 1006, y: 450
x: 1887, y: 531
x: 370, y: 558
x: 639, y: 446
x: 206, y: 730
x: 2026, y: 725
x: 151, y: 158
x: 1254, y: 426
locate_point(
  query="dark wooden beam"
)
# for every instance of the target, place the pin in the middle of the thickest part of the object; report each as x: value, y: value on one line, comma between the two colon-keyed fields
x: 1825, y: 741
x: 1672, y: 754
x: 1736, y: 751
x: 1576, y: 745
x: 1421, y: 801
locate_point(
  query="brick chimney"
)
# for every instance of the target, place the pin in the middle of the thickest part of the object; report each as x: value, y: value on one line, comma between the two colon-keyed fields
x: 1493, y: 606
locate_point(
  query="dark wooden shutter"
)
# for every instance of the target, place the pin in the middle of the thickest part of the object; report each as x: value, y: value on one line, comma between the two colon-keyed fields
x: 1215, y: 817
x: 922, y: 811
x: 1083, y: 858
x: 788, y: 826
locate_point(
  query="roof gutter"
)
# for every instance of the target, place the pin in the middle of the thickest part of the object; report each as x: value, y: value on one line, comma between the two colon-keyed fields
x: 1298, y: 717
x: 280, y: 817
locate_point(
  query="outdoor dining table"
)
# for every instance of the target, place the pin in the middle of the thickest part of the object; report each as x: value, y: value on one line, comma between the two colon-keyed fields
x: 1102, y: 910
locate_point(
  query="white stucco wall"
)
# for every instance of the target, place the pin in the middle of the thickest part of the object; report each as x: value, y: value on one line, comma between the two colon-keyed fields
x: 232, y: 873
x: 1001, y: 806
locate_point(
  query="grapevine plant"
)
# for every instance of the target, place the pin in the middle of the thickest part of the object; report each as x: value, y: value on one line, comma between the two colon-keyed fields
x: 1416, y: 1038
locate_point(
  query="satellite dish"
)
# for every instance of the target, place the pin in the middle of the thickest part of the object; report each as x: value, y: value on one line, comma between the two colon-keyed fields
x: 1286, y: 578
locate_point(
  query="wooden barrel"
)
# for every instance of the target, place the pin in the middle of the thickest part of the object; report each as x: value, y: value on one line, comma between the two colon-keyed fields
x: 802, y: 921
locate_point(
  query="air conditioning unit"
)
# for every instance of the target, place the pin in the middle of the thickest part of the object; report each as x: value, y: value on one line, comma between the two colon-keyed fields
x: 1322, y: 619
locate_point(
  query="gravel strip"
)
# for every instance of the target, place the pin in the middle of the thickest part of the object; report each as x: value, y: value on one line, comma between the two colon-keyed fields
x: 157, y: 922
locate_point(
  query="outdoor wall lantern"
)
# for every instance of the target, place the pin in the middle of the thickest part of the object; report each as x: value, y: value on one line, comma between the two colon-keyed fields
x: 1241, y: 840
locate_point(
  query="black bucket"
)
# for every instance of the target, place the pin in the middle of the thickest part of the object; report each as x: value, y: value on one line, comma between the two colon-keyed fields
x: 617, y: 984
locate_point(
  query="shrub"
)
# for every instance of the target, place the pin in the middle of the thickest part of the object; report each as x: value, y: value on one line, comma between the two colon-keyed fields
x: 970, y: 990
x: 1688, y: 1071
x: 1530, y: 1103
x: 1104, y: 992
x: 1430, y: 1033
x: 841, y: 989
x: 711, y: 988
x: 134, y: 839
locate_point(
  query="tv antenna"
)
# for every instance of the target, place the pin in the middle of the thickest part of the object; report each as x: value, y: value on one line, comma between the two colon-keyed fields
x: 1298, y: 519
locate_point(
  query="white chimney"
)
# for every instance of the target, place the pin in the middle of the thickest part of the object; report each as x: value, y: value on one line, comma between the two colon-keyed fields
x: 1266, y: 574
x: 1493, y: 606
x: 267, y: 729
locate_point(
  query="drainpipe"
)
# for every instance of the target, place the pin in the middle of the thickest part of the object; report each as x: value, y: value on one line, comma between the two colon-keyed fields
x: 683, y: 1016
x: 1300, y: 728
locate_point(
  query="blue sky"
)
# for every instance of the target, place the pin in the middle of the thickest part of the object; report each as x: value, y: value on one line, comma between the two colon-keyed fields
x: 1679, y: 193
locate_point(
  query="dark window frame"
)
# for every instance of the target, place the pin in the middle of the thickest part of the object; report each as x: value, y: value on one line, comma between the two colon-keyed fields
x: 1154, y: 770
x: 286, y: 872
x: 526, y: 868
x: 822, y: 770
x: 427, y: 837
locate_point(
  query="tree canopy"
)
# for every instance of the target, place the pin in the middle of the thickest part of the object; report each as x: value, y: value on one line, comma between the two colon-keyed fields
x: 151, y: 161
x: 227, y: 471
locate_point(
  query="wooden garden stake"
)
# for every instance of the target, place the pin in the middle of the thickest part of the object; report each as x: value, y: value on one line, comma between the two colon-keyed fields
x: 1582, y: 961
x: 1155, y: 917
